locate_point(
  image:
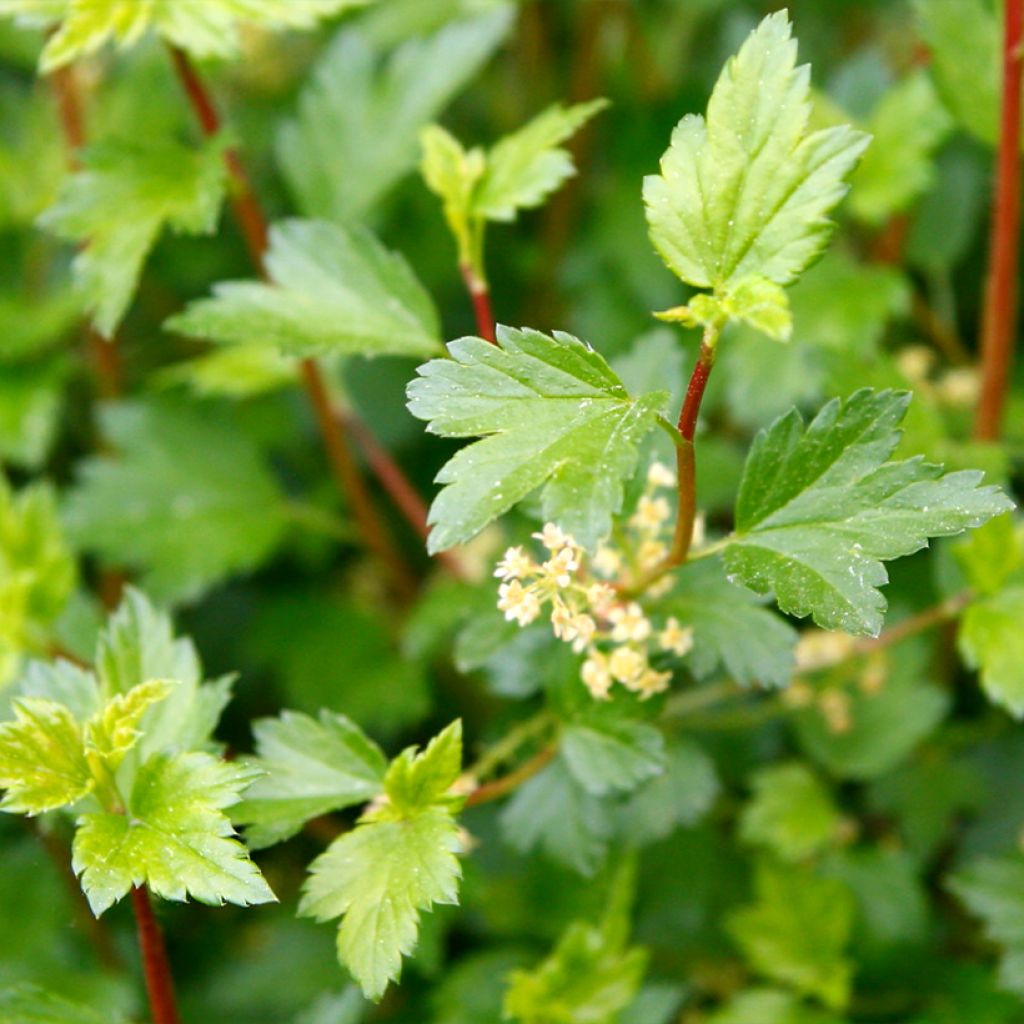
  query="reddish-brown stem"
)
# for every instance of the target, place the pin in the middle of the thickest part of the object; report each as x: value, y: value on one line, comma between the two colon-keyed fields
x: 507, y: 783
x: 999, y: 316
x: 253, y: 224
x: 103, y: 352
x: 159, y: 981
x: 481, y: 297
x: 346, y: 472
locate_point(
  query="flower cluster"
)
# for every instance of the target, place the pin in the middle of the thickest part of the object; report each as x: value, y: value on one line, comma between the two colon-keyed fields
x: 616, y: 635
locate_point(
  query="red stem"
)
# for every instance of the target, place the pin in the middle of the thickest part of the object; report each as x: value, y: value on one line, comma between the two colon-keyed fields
x: 332, y: 427
x: 159, y: 981
x: 481, y: 296
x: 998, y: 325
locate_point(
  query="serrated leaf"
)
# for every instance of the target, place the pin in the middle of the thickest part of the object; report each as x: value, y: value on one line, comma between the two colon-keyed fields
x: 310, y: 768
x: 553, y: 415
x: 525, y: 167
x: 174, y: 837
x: 42, y: 760
x: 993, y: 554
x: 330, y: 289
x: 791, y: 812
x: 718, y: 611
x: 355, y: 132
x: 118, y: 204
x: 207, y: 29
x: 553, y: 813
x: 907, y: 126
x: 991, y: 640
x: 452, y: 172
x: 186, y: 499
x: 114, y: 730
x: 820, y: 510
x: 30, y: 1004
x: 608, y: 752
x: 993, y: 889
x: 400, y: 860
x: 797, y: 931
x: 748, y: 190
x: 138, y: 644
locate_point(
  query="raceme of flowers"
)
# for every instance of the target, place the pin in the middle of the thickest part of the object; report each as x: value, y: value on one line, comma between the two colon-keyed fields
x: 587, y: 611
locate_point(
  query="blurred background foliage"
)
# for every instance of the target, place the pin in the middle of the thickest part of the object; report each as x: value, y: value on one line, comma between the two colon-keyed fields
x: 833, y: 837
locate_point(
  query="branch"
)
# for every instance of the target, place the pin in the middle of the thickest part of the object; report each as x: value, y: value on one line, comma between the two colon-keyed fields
x: 507, y: 783
x: 480, y: 293
x: 253, y: 224
x: 159, y: 982
x: 999, y: 317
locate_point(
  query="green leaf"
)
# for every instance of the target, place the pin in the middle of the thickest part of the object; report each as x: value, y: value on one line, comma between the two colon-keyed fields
x: 553, y: 813
x: 42, y: 759
x: 791, y: 812
x: 138, y: 644
x: 187, y: 499
x: 718, y: 611
x: 524, y: 168
x: 606, y: 751
x: 820, y: 509
x: 118, y: 205
x: 748, y: 191
x: 453, y: 173
x: 331, y: 289
x: 589, y: 978
x: 209, y: 29
x: 964, y: 39
x: 991, y: 555
x: 399, y: 860
x: 991, y: 640
x: 114, y: 730
x: 30, y: 407
x: 797, y: 931
x: 552, y: 413
x: 681, y: 795
x: 358, y: 120
x: 907, y: 126
x: 310, y: 768
x: 37, y: 572
x: 174, y: 837
x: 29, y: 1004
x: 993, y: 889
x: 766, y: 1006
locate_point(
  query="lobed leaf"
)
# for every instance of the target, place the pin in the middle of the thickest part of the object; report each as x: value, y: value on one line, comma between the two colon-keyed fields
x: 991, y: 640
x: 553, y: 415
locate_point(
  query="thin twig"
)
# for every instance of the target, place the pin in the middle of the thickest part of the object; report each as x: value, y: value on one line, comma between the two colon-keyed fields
x: 480, y: 294
x: 999, y: 316
x: 507, y: 783
x: 157, y: 968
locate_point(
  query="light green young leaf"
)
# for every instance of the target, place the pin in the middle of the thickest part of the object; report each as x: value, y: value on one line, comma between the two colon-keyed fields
x: 552, y: 414
x: 175, y: 837
x: 553, y: 813
x: 964, y: 39
x: 358, y: 120
x: 766, y: 1006
x: 118, y: 205
x: 114, y: 730
x: 235, y: 371
x: 716, y: 610
x: 453, y: 173
x: 524, y: 168
x: 791, y: 812
x: 187, y: 499
x: 993, y: 554
x: 37, y: 572
x: 797, y: 932
x: 608, y: 752
x: 331, y: 289
x: 993, y: 889
x: 907, y: 126
x: 748, y: 191
x: 589, y: 978
x: 206, y: 29
x: 400, y: 860
x: 311, y: 768
x: 991, y: 640
x: 820, y: 510
x: 42, y: 758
